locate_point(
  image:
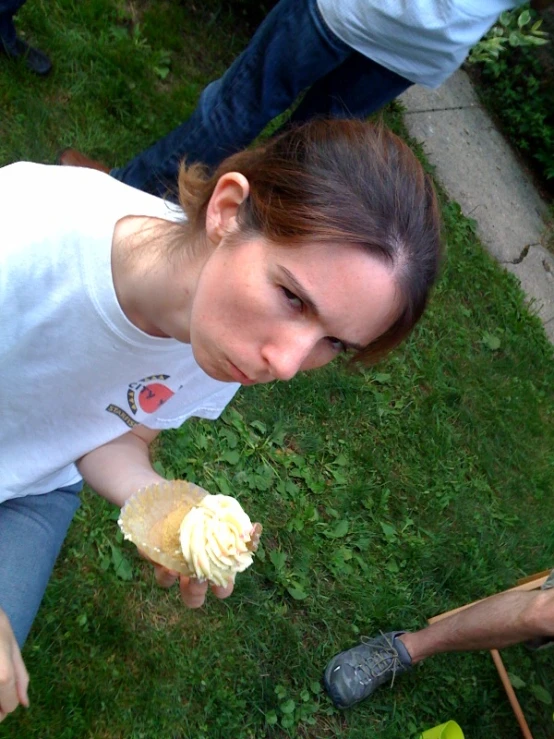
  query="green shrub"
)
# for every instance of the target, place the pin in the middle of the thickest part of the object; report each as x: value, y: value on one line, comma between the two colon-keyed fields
x: 524, y: 101
x: 516, y: 28
x: 518, y: 87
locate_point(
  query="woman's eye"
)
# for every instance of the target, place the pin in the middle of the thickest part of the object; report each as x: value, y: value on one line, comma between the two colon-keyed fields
x: 293, y: 299
x: 337, y: 344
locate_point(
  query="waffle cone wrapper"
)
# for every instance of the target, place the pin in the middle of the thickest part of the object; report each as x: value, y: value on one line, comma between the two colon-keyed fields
x: 152, y: 517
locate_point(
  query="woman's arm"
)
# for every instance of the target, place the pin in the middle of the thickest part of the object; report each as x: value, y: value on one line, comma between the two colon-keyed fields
x: 118, y: 469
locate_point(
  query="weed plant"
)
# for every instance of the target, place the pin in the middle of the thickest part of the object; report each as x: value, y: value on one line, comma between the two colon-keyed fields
x: 517, y: 85
x: 387, y: 494
x: 521, y: 92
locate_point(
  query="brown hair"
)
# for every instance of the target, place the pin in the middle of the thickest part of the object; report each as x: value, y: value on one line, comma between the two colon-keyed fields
x: 339, y: 181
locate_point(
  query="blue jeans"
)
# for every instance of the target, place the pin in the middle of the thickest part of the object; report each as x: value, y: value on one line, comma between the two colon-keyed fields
x: 32, y: 530
x: 292, y: 51
x: 8, y: 8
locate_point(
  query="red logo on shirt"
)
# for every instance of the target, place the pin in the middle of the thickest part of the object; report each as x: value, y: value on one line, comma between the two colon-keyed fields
x: 149, y: 395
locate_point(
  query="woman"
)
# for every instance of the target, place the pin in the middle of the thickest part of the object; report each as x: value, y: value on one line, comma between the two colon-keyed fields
x: 122, y: 318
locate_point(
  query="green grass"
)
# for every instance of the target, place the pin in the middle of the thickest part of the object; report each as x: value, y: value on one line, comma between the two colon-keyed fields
x: 387, y: 495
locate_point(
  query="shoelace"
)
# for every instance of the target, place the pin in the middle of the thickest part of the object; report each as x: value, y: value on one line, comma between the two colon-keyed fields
x: 374, y: 665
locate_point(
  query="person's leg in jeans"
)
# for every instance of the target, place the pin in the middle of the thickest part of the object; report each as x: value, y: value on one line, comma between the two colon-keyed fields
x: 290, y: 51
x: 32, y: 530
x: 14, y: 47
x: 354, y: 89
x: 8, y: 8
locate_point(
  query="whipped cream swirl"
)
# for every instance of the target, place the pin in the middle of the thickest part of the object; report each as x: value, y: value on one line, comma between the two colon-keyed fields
x: 214, y: 537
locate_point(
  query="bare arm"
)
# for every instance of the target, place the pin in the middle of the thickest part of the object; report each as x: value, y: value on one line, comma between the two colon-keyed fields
x: 499, y: 621
x: 118, y: 469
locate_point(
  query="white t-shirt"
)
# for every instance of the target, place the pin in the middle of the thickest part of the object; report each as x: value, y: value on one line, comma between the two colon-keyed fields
x: 75, y: 373
x: 423, y: 40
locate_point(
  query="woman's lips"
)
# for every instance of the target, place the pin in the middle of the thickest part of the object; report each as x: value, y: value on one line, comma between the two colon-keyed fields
x: 239, y: 376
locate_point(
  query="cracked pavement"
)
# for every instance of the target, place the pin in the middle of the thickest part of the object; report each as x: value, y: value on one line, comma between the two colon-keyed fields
x: 479, y: 170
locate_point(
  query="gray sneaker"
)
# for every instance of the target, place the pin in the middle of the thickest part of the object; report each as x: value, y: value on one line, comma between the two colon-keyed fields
x: 356, y: 673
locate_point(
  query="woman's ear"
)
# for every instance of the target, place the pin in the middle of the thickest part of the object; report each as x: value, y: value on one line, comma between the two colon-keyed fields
x: 221, y: 215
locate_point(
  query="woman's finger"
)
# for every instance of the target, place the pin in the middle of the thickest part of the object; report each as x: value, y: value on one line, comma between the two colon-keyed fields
x: 21, y: 678
x: 223, y: 591
x: 164, y: 577
x: 12, y: 670
x: 8, y: 689
x: 193, y: 592
x: 255, y: 535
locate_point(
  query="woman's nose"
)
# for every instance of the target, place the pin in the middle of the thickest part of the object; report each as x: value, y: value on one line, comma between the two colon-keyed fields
x: 287, y: 356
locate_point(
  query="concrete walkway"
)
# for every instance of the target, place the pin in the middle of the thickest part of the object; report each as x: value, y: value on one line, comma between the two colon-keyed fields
x: 479, y: 170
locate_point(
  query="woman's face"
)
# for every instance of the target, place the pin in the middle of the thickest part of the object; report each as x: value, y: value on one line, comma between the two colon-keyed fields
x: 263, y: 312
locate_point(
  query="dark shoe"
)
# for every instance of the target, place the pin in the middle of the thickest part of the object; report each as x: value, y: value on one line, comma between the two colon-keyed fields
x: 356, y: 673
x: 74, y: 158
x: 540, y: 642
x: 34, y: 59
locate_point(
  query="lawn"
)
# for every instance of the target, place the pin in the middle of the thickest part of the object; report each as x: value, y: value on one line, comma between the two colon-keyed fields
x: 387, y: 495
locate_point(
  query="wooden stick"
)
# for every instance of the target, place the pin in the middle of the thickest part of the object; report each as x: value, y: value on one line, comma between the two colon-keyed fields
x: 530, y: 585
x: 536, y: 576
x: 523, y: 725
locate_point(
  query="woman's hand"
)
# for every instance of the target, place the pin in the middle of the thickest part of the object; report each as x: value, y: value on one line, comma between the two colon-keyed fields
x: 14, y: 678
x: 193, y: 592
